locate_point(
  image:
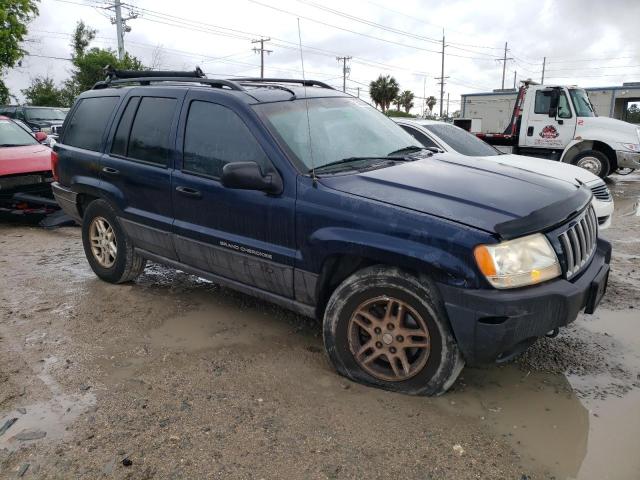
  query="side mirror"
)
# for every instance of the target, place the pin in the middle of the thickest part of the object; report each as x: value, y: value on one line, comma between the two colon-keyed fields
x: 553, y: 104
x: 40, y: 136
x: 247, y: 176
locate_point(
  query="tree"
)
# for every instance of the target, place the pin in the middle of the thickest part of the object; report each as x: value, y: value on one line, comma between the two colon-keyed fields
x: 633, y: 113
x: 44, y: 93
x: 406, y: 100
x: 89, y: 63
x: 14, y: 17
x: 431, y: 102
x: 383, y: 91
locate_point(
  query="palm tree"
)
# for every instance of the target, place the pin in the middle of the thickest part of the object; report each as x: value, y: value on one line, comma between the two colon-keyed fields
x: 406, y: 100
x: 431, y: 102
x: 383, y: 91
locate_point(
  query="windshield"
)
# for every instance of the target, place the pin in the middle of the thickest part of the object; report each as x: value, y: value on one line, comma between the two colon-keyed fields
x: 462, y: 141
x: 581, y: 103
x: 340, y: 128
x: 11, y: 135
x: 45, y: 114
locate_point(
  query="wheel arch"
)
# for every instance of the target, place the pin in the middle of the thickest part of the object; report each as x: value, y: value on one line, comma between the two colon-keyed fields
x: 578, y: 146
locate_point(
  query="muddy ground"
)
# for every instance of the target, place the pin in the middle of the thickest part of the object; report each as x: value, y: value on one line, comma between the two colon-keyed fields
x: 175, y: 377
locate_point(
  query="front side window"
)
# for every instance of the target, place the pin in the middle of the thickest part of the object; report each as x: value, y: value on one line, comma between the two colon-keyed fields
x: 214, y: 136
x: 462, y: 141
x: 151, y: 129
x: 11, y: 135
x: 543, y: 104
x: 581, y: 103
x: 335, y: 129
x: 86, y: 127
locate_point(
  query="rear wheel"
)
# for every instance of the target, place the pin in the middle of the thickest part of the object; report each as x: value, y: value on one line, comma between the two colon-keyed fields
x: 594, y: 161
x: 387, y: 328
x: 106, y: 245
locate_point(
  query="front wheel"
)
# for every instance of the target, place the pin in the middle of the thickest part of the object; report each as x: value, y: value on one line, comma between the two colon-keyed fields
x: 387, y: 328
x: 593, y: 161
x: 107, y: 247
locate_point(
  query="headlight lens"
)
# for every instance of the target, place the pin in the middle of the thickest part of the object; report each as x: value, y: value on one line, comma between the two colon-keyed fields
x: 516, y: 263
x: 635, y: 147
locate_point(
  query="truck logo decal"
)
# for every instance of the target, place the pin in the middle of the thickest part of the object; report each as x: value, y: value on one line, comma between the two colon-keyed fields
x: 549, y: 132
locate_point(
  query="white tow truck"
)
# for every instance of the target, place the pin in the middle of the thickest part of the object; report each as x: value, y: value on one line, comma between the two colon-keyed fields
x: 559, y: 123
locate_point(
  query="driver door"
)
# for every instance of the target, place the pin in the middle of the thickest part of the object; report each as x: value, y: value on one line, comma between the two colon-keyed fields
x: 543, y: 131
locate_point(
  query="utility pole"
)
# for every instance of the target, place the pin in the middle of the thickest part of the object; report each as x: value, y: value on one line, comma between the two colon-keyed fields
x: 358, y: 92
x: 424, y: 97
x: 121, y: 25
x: 442, y: 77
x: 504, y: 62
x: 515, y: 76
x: 345, y: 70
x: 447, y: 104
x: 262, y: 51
x: 544, y: 64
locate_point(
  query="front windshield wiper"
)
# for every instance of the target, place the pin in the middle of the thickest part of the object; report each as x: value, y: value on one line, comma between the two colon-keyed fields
x: 408, y: 149
x: 347, y: 161
x: 13, y: 145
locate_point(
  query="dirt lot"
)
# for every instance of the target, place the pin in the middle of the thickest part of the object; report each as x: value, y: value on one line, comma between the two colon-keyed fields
x: 175, y: 377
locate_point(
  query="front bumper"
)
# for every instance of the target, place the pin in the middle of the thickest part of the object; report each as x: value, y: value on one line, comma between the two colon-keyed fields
x: 67, y: 199
x: 628, y: 159
x: 495, y: 325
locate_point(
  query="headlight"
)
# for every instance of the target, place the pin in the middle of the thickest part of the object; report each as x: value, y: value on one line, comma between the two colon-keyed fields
x: 516, y: 263
x: 635, y: 147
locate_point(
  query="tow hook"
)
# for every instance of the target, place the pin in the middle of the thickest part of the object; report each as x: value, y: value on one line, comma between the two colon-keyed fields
x: 553, y: 333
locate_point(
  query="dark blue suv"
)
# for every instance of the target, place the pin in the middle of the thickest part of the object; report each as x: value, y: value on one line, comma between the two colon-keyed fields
x: 309, y: 198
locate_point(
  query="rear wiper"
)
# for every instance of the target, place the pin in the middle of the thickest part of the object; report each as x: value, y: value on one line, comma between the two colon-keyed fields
x: 348, y: 160
x: 408, y: 149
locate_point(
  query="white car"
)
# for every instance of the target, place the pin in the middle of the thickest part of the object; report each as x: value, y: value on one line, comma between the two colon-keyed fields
x: 450, y: 138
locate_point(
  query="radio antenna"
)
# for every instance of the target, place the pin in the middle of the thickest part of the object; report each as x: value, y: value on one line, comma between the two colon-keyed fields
x: 306, y: 104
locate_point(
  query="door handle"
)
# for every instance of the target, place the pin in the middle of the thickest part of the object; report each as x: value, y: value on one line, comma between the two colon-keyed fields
x: 189, y: 192
x: 560, y: 122
x: 530, y: 132
x: 110, y: 171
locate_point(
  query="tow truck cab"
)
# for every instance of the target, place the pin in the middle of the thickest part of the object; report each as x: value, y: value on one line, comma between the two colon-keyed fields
x: 559, y: 123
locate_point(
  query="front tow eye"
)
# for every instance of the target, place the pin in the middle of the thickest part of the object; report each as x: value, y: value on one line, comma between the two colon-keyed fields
x: 553, y: 333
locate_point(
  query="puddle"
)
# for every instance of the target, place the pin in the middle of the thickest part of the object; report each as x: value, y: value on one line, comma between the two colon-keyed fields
x: 44, y: 421
x: 627, y: 207
x: 578, y: 427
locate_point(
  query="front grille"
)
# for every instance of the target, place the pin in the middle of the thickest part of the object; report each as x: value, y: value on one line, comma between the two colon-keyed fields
x: 579, y: 242
x: 601, y: 192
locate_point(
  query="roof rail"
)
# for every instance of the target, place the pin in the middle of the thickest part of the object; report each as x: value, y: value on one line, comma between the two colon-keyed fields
x: 146, y: 77
x: 306, y: 83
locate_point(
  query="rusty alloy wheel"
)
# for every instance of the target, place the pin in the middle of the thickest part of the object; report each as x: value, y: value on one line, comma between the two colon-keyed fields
x: 389, y: 339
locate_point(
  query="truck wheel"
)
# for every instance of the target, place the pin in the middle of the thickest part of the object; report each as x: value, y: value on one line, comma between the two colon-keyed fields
x: 387, y: 328
x: 106, y: 245
x: 594, y: 161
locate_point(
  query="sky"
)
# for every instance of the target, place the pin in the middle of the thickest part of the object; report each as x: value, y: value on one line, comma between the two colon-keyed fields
x: 585, y: 42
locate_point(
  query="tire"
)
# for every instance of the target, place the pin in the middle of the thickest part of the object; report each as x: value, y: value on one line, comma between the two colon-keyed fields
x: 374, y: 292
x: 593, y: 161
x: 123, y: 266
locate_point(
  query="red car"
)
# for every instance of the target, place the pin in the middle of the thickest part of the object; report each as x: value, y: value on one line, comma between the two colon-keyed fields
x: 25, y: 171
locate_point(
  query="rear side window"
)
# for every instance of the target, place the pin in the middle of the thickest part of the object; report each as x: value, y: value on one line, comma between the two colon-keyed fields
x: 86, y: 127
x: 419, y: 136
x: 149, y: 138
x: 121, y: 139
x: 215, y: 136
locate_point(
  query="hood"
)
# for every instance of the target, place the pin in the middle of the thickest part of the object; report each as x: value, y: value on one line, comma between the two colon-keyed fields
x: 27, y: 159
x: 472, y: 191
x: 607, y: 129
x: 550, y: 168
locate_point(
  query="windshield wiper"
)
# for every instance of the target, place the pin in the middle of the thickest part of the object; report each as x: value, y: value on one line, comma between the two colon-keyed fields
x: 347, y: 161
x: 408, y: 149
x: 13, y: 145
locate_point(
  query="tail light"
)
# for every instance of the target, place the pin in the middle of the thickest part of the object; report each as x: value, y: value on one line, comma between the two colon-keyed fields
x: 54, y: 165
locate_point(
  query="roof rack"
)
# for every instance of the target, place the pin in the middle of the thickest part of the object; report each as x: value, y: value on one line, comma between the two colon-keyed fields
x: 146, y: 77
x: 306, y: 83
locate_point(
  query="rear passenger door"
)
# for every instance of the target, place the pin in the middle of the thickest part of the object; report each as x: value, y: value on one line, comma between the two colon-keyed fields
x: 136, y: 170
x: 243, y: 235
